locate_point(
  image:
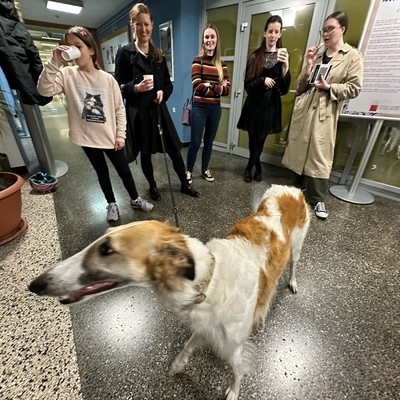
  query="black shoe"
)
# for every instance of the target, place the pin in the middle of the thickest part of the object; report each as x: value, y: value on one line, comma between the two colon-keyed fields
x: 154, y: 193
x: 247, y: 176
x: 257, y: 176
x: 187, y: 189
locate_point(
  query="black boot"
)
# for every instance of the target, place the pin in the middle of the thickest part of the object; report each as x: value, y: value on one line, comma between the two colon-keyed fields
x: 154, y: 193
x: 257, y: 175
x: 187, y: 189
x: 247, y: 176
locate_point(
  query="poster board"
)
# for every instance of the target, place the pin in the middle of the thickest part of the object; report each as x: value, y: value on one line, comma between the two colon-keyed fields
x: 110, y: 46
x: 380, y: 46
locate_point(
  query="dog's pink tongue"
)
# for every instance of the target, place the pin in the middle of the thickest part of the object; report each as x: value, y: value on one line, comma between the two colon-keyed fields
x: 78, y: 294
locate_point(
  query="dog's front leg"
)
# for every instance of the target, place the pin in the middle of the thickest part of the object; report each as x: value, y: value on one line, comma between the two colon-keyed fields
x: 239, y: 368
x: 183, y: 357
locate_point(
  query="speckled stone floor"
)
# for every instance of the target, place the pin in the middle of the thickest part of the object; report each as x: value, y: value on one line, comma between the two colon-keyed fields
x: 337, y: 338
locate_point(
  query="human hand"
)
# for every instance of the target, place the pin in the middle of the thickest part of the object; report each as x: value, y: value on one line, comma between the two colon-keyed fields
x: 224, y: 82
x: 322, y: 84
x: 145, y: 85
x: 311, y: 55
x: 57, y: 55
x: 159, y: 97
x: 119, y: 145
x: 269, y: 82
x: 283, y: 56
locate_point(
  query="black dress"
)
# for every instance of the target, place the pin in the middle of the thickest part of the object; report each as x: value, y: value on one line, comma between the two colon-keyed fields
x: 142, y: 134
x: 262, y: 110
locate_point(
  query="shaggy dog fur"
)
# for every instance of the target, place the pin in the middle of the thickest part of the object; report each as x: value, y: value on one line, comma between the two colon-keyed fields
x: 221, y: 289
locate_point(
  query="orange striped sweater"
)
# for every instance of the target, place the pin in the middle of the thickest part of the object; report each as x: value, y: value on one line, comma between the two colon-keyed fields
x: 205, y: 80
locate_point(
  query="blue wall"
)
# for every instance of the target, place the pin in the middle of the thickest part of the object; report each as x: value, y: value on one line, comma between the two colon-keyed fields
x: 185, y: 16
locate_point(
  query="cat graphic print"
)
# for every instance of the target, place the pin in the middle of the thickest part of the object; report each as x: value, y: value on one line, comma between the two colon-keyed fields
x: 93, y: 108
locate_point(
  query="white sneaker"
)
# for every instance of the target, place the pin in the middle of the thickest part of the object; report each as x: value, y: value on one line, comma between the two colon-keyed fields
x: 112, y: 212
x: 189, y: 177
x: 320, y: 210
x: 142, y: 204
x: 208, y: 176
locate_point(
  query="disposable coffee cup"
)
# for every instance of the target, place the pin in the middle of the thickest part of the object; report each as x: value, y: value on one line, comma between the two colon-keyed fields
x: 282, y: 50
x: 148, y: 77
x: 72, y: 53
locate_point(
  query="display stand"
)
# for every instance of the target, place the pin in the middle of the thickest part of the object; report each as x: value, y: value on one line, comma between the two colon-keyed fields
x: 354, y: 194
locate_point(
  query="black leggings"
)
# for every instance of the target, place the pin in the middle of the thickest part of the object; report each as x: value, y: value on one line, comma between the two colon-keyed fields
x: 256, y: 145
x: 118, y: 159
x: 177, y: 163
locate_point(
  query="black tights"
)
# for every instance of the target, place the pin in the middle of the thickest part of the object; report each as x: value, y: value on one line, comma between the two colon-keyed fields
x: 118, y: 160
x: 177, y: 163
x: 256, y: 146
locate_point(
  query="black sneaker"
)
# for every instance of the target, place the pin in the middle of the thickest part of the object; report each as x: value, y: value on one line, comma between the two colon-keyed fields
x: 187, y: 189
x: 257, y: 176
x: 189, y: 177
x: 208, y: 176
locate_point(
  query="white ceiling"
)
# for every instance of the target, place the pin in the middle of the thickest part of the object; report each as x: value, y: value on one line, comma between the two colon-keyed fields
x: 94, y: 12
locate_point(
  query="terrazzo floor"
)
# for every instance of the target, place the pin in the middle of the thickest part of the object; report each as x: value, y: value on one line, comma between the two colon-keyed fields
x: 337, y: 338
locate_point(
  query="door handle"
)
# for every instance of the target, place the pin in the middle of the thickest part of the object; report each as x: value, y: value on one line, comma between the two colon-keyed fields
x: 238, y: 92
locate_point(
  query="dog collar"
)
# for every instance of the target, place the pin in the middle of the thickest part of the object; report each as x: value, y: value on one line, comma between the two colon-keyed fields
x: 203, y: 285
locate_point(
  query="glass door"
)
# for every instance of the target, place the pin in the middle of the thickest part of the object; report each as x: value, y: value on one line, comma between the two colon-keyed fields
x: 301, y: 23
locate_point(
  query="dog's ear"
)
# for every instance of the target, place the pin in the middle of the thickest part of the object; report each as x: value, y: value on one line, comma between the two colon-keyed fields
x: 180, y: 259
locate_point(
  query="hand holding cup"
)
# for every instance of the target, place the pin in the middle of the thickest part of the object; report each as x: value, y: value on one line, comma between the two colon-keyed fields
x: 71, y: 53
x: 149, y: 81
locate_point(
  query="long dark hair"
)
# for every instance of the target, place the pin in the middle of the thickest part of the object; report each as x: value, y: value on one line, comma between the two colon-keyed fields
x: 84, y: 34
x: 256, y: 59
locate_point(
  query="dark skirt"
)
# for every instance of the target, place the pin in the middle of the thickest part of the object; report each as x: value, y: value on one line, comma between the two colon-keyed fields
x: 262, y: 113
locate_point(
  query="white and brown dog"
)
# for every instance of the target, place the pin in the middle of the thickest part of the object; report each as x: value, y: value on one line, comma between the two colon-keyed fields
x: 221, y: 289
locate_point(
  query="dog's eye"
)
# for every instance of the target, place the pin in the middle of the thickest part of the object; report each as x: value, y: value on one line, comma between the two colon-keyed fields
x: 105, y: 249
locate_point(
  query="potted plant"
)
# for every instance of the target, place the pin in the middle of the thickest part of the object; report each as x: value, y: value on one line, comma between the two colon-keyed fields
x: 12, y: 225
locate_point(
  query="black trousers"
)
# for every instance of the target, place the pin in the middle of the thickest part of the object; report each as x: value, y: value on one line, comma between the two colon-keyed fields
x: 315, y: 189
x: 177, y: 163
x: 120, y: 163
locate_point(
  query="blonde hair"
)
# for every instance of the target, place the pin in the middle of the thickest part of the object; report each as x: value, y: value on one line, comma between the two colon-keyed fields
x: 138, y: 8
x: 217, y: 52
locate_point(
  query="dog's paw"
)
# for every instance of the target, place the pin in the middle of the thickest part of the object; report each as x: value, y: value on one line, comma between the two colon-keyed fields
x: 293, y: 286
x: 177, y: 366
x: 231, y: 393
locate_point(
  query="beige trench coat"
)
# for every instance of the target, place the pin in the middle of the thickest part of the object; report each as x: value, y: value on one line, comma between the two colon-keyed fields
x: 312, y: 134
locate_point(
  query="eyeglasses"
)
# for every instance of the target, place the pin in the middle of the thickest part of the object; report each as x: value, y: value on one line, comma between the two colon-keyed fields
x: 329, y: 30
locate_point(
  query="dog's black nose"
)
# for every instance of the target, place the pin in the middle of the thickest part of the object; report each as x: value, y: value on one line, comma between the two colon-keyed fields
x: 38, y: 286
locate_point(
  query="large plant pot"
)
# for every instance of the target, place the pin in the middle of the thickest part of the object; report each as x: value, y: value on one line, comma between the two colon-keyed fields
x: 11, y: 223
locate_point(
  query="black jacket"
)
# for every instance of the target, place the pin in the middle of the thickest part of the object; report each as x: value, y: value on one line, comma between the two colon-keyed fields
x: 142, y: 118
x: 19, y: 57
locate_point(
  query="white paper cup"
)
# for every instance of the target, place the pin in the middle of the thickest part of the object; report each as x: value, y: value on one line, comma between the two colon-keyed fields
x: 281, y: 50
x: 72, y: 53
x: 150, y: 76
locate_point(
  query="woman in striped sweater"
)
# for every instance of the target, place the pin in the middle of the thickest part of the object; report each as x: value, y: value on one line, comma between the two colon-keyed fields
x: 210, y: 81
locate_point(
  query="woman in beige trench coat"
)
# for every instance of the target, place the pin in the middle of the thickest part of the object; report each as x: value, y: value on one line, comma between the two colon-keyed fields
x: 312, y: 135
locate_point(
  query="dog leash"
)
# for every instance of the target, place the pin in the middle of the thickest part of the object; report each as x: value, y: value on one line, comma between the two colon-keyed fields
x: 160, y: 131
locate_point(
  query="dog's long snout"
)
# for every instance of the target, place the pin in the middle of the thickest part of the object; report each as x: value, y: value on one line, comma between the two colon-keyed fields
x: 39, y: 285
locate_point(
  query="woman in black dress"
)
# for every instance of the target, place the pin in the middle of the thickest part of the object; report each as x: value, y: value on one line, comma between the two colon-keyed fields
x: 267, y: 77
x: 143, y: 95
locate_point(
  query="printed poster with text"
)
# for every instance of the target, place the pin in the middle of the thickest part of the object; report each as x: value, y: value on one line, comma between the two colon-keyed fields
x: 380, y: 46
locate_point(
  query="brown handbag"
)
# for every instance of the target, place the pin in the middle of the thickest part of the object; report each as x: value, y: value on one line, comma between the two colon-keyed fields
x: 187, y: 106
